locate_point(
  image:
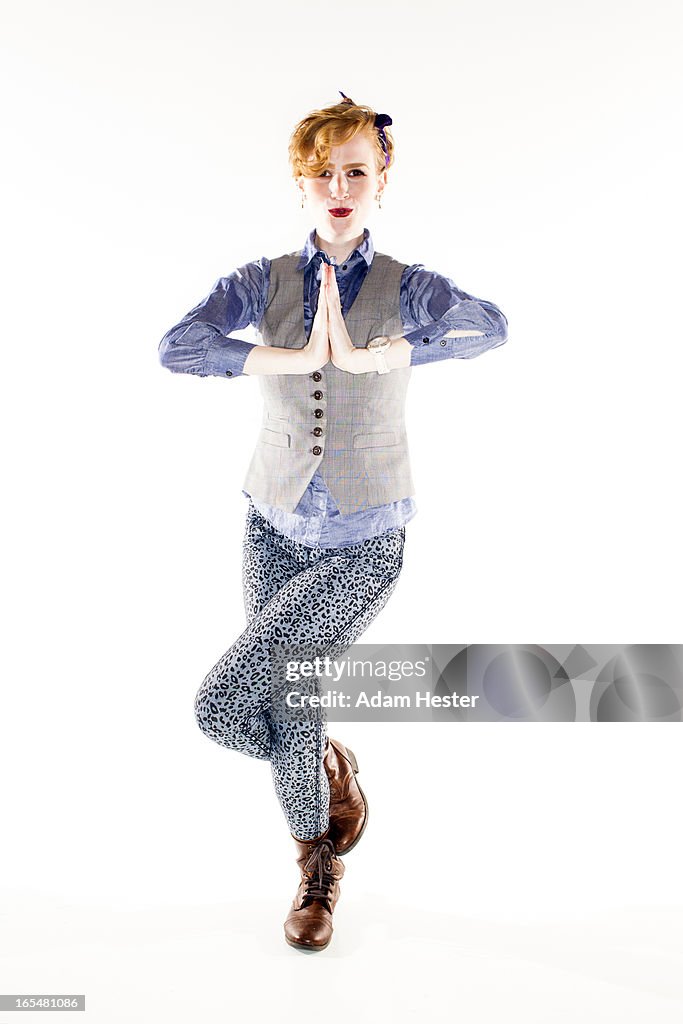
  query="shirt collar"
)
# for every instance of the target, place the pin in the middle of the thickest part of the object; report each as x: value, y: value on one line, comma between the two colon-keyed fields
x: 366, y: 249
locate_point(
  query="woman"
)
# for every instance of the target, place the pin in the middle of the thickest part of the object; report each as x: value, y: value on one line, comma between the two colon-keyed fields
x: 329, y: 484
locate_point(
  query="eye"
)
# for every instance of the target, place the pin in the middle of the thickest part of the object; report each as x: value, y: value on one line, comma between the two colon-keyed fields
x: 355, y: 170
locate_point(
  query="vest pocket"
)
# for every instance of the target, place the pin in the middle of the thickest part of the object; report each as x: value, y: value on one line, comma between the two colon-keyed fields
x: 376, y: 440
x: 276, y: 437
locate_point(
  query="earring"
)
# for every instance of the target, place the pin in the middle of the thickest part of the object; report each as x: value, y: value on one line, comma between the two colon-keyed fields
x: 378, y: 197
x: 303, y: 196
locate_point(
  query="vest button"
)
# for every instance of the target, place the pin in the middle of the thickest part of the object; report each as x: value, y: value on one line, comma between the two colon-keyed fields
x: 317, y: 375
x: 228, y: 373
x: 442, y: 342
x: 426, y: 341
x: 317, y: 431
x: 317, y: 449
x: 317, y: 395
x: 318, y: 413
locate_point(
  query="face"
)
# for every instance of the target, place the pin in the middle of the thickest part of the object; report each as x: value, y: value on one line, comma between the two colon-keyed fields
x: 350, y: 181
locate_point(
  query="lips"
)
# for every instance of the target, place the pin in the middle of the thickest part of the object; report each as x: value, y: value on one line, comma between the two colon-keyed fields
x: 341, y: 211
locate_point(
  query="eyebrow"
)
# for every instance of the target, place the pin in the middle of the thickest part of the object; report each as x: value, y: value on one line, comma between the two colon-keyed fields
x: 348, y: 165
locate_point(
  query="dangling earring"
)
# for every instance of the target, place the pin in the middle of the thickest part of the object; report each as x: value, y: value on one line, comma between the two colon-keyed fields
x: 378, y: 197
x: 303, y: 196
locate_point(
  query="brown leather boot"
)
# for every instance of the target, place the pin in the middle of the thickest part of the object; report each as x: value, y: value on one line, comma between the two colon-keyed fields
x: 348, y: 806
x: 309, y: 922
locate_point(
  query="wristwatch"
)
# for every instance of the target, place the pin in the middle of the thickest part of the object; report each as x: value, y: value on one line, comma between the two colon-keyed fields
x: 379, y: 346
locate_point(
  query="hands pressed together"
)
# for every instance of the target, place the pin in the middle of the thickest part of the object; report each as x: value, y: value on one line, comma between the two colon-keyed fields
x: 329, y: 338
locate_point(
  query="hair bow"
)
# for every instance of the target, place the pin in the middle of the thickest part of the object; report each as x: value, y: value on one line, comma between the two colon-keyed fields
x: 381, y: 120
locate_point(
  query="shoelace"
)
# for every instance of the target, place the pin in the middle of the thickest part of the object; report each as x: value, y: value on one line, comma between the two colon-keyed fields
x: 319, y: 872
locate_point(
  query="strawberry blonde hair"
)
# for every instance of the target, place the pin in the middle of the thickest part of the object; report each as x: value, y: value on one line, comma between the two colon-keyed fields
x: 317, y: 133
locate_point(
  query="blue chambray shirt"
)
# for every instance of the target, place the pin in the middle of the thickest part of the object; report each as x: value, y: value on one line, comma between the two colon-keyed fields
x: 431, y: 306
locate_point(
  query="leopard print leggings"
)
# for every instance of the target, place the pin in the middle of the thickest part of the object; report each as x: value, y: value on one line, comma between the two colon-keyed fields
x: 320, y: 599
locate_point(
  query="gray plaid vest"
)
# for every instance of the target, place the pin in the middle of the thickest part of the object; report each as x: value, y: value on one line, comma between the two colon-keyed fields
x: 350, y: 426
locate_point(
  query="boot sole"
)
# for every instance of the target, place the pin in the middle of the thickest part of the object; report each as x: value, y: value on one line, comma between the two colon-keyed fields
x: 304, y: 948
x: 354, y: 765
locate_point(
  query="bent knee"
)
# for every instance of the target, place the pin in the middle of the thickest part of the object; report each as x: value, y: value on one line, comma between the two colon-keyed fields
x: 220, y: 713
x: 211, y: 708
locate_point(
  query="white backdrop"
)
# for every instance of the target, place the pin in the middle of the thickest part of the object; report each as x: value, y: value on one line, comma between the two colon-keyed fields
x: 538, y: 164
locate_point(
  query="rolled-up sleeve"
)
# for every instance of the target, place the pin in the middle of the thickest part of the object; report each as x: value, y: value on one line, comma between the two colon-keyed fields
x: 200, y: 344
x: 432, y: 306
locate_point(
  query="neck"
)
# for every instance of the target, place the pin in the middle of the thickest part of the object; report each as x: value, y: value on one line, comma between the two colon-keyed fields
x: 339, y: 248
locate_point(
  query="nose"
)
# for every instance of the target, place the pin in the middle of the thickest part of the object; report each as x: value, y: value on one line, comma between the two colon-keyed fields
x: 339, y: 185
